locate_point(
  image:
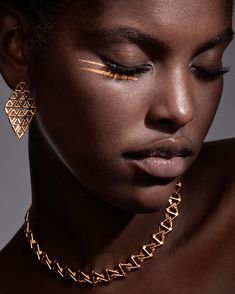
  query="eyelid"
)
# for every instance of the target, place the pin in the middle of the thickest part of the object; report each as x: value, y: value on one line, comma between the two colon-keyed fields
x: 104, y: 71
x: 217, y: 69
x: 207, y: 74
x: 107, y: 61
x: 109, y: 74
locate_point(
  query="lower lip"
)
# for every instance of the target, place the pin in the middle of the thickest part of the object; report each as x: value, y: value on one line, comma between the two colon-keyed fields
x: 161, y: 167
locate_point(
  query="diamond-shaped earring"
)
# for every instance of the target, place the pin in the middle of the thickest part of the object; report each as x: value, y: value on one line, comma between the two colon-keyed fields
x: 20, y: 109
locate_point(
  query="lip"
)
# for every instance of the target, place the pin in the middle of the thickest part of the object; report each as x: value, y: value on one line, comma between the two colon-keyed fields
x: 164, y: 158
x: 161, y: 167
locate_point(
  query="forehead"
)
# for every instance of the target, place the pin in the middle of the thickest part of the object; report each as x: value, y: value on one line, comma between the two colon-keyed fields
x: 166, y: 7
x: 168, y: 10
x: 153, y: 15
x: 178, y: 21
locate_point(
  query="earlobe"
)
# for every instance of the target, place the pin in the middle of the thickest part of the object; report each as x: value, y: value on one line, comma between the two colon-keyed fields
x: 13, y: 47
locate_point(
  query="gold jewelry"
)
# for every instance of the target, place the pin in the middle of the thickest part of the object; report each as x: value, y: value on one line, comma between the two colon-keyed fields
x: 122, y: 269
x: 20, y: 109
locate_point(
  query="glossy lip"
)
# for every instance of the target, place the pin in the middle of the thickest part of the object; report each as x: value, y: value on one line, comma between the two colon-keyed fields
x: 164, y: 158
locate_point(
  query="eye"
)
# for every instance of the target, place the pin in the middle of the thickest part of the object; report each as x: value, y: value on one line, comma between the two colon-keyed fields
x: 206, y: 74
x: 130, y: 71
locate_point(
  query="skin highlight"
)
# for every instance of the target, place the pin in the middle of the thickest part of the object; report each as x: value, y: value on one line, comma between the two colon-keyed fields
x: 85, y: 124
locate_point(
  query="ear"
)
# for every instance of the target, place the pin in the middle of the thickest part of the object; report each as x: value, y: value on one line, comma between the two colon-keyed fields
x: 15, y: 39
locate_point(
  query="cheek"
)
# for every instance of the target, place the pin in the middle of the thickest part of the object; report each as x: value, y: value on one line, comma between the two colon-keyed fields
x: 89, y: 119
x: 206, y: 102
x: 93, y: 110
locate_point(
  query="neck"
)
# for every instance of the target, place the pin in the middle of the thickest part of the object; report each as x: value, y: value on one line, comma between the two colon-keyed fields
x: 74, y: 226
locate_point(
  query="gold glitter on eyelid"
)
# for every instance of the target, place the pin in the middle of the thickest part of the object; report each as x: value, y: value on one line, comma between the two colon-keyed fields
x: 91, y: 62
x: 109, y: 74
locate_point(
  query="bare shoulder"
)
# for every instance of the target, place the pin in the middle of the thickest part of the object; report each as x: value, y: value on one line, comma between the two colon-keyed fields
x: 219, y: 157
x: 214, y: 170
x: 14, y: 265
x: 227, y: 145
x: 212, y: 211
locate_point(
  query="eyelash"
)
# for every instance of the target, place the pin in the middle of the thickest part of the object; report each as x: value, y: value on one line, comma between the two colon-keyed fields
x: 202, y: 73
x: 206, y: 74
x: 122, y: 70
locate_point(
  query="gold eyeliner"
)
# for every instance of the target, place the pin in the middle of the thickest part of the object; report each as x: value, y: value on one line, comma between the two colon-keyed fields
x: 105, y: 72
x: 91, y: 62
x: 109, y: 74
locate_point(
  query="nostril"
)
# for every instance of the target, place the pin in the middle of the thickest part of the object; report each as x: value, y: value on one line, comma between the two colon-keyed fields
x: 165, y: 125
x: 171, y: 112
x: 165, y: 121
x: 168, y: 125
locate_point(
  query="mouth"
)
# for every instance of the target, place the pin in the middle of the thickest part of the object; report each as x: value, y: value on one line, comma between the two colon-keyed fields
x: 157, y: 152
x: 163, y: 159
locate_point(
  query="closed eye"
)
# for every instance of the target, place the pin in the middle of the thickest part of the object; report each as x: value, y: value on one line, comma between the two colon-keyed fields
x: 206, y: 74
x: 114, y: 70
x: 120, y: 69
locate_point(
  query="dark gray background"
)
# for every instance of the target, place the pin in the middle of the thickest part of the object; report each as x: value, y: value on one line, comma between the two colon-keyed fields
x: 14, y: 169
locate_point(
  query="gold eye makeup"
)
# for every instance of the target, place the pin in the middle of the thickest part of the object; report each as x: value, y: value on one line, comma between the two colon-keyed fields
x: 109, y: 74
x: 91, y: 62
x: 111, y: 70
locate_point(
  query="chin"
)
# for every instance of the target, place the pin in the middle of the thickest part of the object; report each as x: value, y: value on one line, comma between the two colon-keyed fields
x: 146, y: 199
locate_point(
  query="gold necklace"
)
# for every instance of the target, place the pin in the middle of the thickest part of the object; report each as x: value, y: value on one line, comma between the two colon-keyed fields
x: 122, y: 269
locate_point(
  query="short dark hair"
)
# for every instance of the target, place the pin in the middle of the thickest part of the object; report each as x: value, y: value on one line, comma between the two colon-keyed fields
x: 40, y: 14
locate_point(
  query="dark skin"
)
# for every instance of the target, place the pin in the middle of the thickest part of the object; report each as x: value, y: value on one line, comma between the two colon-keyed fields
x: 87, y: 200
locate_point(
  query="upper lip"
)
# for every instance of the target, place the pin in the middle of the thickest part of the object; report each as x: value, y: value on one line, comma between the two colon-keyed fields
x: 166, y: 148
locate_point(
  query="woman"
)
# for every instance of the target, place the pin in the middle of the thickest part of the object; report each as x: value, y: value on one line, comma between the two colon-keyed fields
x: 121, y: 96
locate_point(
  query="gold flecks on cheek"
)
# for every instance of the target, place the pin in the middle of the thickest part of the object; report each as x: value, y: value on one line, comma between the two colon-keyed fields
x: 109, y: 74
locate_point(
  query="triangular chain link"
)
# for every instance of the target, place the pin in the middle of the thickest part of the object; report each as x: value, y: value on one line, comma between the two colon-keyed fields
x: 122, y: 270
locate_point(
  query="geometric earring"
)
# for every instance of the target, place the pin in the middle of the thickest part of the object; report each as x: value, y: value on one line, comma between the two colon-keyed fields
x: 20, y: 109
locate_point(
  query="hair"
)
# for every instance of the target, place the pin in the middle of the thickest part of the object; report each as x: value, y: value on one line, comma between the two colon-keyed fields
x: 41, y: 13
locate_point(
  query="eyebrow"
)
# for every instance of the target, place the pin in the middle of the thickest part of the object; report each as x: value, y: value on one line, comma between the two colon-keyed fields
x: 223, y: 37
x: 137, y: 36
x: 131, y: 34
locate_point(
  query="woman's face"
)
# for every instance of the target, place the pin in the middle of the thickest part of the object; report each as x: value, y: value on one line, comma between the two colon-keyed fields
x: 164, y: 97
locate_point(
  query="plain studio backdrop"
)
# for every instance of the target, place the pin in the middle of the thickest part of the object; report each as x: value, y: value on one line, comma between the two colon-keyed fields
x: 15, y: 193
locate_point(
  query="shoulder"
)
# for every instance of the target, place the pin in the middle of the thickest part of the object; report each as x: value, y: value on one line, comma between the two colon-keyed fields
x: 211, y: 186
x: 225, y: 147
x: 14, y: 266
x: 5, y: 272
x: 213, y: 173
x: 20, y: 270
x: 218, y: 158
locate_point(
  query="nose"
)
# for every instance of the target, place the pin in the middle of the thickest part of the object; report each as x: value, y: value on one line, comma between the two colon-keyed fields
x: 172, y: 106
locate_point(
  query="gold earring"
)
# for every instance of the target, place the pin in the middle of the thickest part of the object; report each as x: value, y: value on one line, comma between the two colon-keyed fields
x: 20, y: 109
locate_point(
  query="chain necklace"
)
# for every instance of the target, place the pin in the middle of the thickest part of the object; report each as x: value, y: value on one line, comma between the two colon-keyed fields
x: 134, y: 262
